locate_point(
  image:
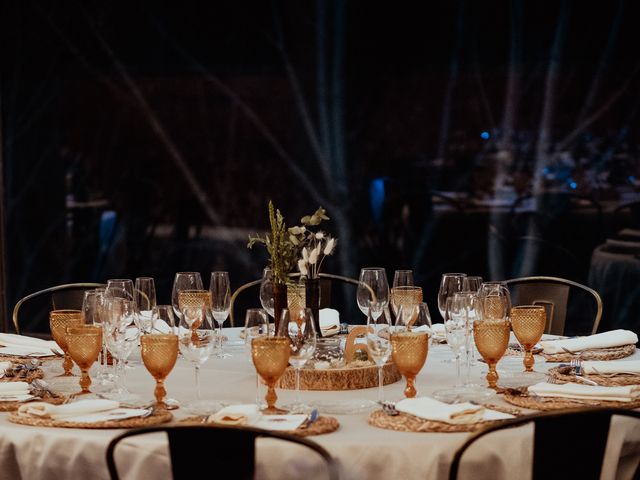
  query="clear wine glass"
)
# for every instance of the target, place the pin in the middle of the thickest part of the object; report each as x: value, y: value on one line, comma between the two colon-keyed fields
x: 184, y: 281
x: 471, y: 284
x: 145, y: 297
x: 449, y: 284
x: 373, y: 291
x: 378, y: 333
x: 92, y: 307
x: 196, y: 346
x: 220, y: 289
x: 120, y: 288
x: 266, y: 291
x: 299, y: 327
x: 256, y: 325
x: 403, y: 278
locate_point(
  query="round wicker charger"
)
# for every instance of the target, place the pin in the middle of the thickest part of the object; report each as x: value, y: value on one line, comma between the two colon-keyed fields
x: 612, y: 353
x: 348, y: 378
x: 403, y: 422
x: 138, y: 422
x: 551, y: 403
x: 13, y: 406
x: 567, y: 374
x: 321, y: 426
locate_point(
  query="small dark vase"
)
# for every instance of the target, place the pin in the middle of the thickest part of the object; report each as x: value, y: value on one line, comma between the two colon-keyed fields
x: 312, y: 301
x: 279, y: 302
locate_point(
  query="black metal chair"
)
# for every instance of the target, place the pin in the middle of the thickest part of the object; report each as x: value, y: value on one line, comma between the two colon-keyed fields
x: 69, y: 295
x: 234, y: 447
x: 325, y: 290
x: 567, y: 444
x: 553, y: 294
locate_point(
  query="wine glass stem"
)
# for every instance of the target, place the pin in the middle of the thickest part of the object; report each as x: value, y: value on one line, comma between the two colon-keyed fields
x: 297, y: 385
x: 117, y: 363
x: 380, y: 386
x: 458, y: 370
x: 197, y: 375
x: 220, y: 337
x: 124, y: 375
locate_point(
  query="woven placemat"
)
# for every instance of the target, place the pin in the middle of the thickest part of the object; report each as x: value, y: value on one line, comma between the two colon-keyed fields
x: 17, y: 359
x: 612, y: 353
x: 138, y: 422
x: 29, y: 377
x: 322, y: 425
x: 567, y: 374
x: 550, y: 403
x: 48, y: 398
x: 403, y: 422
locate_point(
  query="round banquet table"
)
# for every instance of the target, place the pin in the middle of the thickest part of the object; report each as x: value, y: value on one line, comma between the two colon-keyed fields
x: 362, y: 451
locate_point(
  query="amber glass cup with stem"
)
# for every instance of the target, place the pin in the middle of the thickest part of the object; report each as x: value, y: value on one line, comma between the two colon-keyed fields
x: 270, y: 356
x: 410, y: 342
x: 159, y: 354
x: 528, y: 322
x: 406, y: 296
x: 59, y: 321
x: 491, y: 331
x: 84, y: 344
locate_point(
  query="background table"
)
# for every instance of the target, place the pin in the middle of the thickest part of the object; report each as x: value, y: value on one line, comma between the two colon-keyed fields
x: 362, y: 451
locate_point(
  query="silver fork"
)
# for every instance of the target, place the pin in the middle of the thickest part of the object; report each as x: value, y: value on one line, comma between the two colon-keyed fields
x: 389, y: 408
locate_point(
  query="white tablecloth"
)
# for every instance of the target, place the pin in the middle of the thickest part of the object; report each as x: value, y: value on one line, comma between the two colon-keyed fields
x: 362, y: 451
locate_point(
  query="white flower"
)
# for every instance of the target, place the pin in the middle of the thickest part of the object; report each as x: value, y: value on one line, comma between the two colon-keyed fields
x: 313, y: 257
x: 293, y: 239
x: 320, y: 235
x: 305, y: 254
x: 328, y: 249
x: 302, y: 266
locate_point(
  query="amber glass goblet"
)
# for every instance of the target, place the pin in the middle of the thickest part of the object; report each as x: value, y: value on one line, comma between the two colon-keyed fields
x: 296, y: 297
x: 59, y: 320
x: 407, y: 297
x: 492, y: 338
x: 194, y: 306
x: 84, y: 344
x: 528, y: 322
x: 270, y: 356
x: 159, y: 354
x: 409, y: 351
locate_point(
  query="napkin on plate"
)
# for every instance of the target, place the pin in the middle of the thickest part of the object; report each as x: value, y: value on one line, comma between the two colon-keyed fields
x: 12, y: 389
x: 236, y: 415
x: 69, y: 410
x: 329, y: 321
x: 614, y: 338
x: 23, y: 344
x: 586, y: 392
x: 281, y: 423
x: 430, y: 409
x: 603, y: 366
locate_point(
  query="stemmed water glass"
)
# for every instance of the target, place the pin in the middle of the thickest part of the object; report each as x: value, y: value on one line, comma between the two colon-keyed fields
x: 163, y: 320
x: 184, y: 281
x: 93, y: 307
x: 491, y: 329
x: 373, y: 291
x: 403, y: 278
x: 159, y: 353
x: 298, y: 326
x: 528, y: 322
x: 266, y: 291
x: 410, y: 342
x: 59, y: 320
x: 407, y: 296
x: 120, y: 288
x: 378, y: 331
x: 220, y: 289
x: 84, y: 344
x: 449, y: 285
x: 270, y: 356
x: 145, y: 298
x: 196, y: 344
x: 256, y: 325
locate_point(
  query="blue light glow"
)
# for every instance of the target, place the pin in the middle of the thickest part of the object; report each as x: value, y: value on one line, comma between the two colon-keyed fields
x: 573, y: 185
x: 485, y: 135
x: 376, y: 197
x: 631, y: 178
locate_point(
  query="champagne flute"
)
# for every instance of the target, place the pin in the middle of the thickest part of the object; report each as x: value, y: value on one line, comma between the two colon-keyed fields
x: 59, y: 320
x: 378, y: 331
x: 184, y: 281
x: 403, y: 278
x: 84, y: 343
x: 528, y: 322
x: 266, y: 291
x: 196, y: 345
x: 449, y: 284
x: 159, y: 354
x: 298, y: 325
x: 256, y: 325
x: 220, y: 289
x: 145, y: 298
x: 373, y: 291
x: 270, y: 356
x: 410, y: 342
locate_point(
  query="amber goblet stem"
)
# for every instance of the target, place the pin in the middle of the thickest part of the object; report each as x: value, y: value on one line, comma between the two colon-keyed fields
x: 410, y: 389
x: 161, y: 393
x: 528, y: 360
x: 492, y: 376
x: 85, y: 381
x: 67, y: 364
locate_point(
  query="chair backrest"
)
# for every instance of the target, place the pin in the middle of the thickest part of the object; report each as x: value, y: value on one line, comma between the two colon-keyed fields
x: 234, y: 446
x: 325, y: 291
x: 61, y: 296
x: 553, y: 294
x: 567, y: 444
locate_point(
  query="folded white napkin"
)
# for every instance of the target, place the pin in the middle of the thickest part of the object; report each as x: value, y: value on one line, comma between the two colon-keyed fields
x: 75, y: 409
x: 624, y: 366
x: 28, y: 344
x: 614, y: 338
x: 329, y: 321
x: 281, y: 423
x: 237, y: 415
x: 11, y: 389
x: 438, y: 329
x: 431, y: 409
x: 160, y: 326
x: 586, y: 392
